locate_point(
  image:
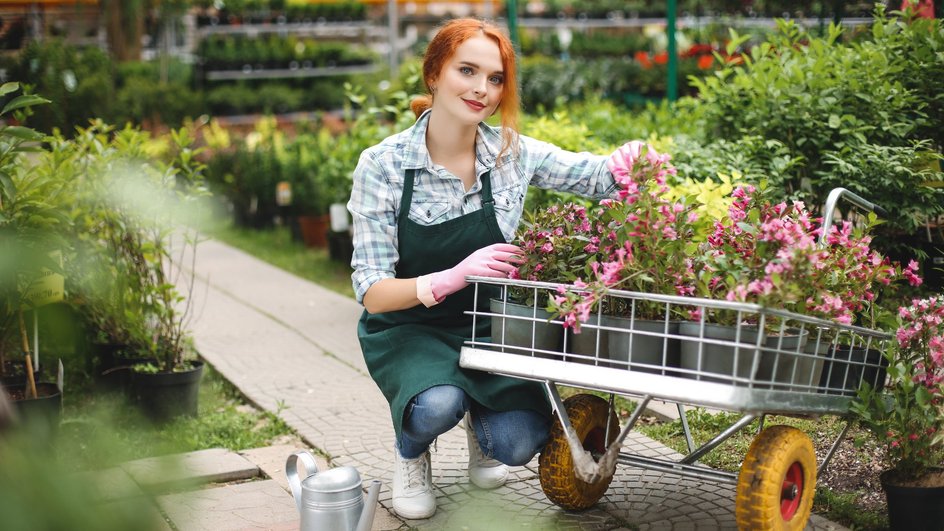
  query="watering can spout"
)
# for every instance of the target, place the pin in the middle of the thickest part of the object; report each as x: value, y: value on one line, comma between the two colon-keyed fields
x: 370, y: 507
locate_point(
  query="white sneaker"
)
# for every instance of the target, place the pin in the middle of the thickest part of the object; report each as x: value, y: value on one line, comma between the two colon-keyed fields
x: 413, y: 496
x: 485, y: 472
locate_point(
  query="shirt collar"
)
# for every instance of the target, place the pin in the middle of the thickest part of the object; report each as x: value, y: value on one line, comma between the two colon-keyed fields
x: 415, y: 155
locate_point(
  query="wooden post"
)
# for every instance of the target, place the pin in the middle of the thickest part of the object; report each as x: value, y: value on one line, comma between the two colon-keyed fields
x: 30, y: 379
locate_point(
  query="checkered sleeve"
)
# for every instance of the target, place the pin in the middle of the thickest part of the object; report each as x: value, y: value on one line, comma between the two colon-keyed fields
x: 373, y: 209
x: 554, y: 168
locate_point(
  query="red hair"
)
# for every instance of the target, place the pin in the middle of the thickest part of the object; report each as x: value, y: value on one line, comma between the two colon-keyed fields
x: 444, y: 45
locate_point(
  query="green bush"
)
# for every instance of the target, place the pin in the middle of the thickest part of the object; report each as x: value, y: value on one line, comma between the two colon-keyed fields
x: 79, y: 82
x: 143, y: 96
x: 547, y: 82
x: 843, y: 115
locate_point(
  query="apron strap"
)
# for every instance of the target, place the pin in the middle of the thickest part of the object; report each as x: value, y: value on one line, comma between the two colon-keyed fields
x: 406, y: 198
x: 487, y: 199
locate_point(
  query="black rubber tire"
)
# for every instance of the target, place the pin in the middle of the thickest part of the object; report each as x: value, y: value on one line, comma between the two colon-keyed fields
x: 779, y: 458
x: 588, y: 415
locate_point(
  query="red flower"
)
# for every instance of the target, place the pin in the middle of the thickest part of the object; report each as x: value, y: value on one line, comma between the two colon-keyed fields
x: 661, y: 58
x: 705, y: 62
x: 643, y: 59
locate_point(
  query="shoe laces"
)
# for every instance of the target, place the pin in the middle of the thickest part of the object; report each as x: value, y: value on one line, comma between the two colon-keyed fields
x: 414, y: 471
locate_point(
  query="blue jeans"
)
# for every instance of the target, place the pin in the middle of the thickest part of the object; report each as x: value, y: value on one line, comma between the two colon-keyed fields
x: 512, y: 437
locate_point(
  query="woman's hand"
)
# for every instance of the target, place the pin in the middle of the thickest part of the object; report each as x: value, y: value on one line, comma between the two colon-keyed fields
x: 622, y: 160
x: 496, y: 260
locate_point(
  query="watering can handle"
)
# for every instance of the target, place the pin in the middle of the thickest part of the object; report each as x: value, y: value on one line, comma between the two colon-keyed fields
x: 291, y: 471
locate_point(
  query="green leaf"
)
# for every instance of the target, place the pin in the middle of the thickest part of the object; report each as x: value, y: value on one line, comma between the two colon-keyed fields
x: 23, y: 133
x: 922, y: 396
x: 8, y: 87
x: 6, y: 183
x: 23, y: 101
x: 834, y: 121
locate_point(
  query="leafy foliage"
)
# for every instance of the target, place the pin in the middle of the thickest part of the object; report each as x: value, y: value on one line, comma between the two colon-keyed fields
x: 836, y: 115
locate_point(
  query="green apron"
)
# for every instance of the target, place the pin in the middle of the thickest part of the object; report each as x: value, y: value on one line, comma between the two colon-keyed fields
x: 409, y: 351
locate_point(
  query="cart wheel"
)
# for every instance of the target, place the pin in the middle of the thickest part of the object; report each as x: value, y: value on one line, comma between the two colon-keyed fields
x: 588, y: 414
x: 777, y: 480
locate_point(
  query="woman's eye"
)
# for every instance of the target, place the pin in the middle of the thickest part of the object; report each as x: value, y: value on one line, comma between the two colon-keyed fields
x: 466, y: 70
x: 496, y: 80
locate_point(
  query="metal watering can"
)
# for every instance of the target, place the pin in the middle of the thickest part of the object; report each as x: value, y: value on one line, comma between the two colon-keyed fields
x: 331, y: 500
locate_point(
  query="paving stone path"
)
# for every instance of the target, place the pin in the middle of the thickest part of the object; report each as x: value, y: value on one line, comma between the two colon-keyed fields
x: 290, y: 346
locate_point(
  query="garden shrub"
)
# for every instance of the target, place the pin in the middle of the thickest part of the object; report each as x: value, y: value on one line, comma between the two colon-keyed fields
x: 143, y: 96
x: 79, y: 82
x: 835, y: 111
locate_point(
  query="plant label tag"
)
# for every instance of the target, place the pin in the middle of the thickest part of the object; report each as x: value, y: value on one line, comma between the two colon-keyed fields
x: 45, y: 288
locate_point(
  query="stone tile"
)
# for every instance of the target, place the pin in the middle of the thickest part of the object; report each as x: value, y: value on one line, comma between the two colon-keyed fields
x: 190, y: 469
x: 109, y: 484
x: 144, y: 511
x: 271, y: 461
x: 252, y: 505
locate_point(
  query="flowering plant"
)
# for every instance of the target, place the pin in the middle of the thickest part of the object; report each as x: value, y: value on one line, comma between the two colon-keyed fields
x: 644, y: 242
x: 557, y: 242
x: 768, y: 254
x: 760, y: 252
x: 909, y: 417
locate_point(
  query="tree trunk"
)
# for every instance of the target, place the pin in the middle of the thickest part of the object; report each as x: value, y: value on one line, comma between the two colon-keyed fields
x: 124, y: 23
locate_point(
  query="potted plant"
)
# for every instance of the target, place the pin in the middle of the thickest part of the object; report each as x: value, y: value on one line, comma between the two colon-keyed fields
x: 644, y: 242
x: 169, y: 386
x: 557, y: 242
x: 136, y: 258
x: 907, y: 415
x: 32, y: 229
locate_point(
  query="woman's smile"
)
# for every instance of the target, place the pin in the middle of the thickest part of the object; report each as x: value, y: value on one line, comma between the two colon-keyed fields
x: 474, y: 104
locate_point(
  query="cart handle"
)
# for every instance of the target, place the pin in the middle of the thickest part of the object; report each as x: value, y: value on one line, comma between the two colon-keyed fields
x: 857, y: 200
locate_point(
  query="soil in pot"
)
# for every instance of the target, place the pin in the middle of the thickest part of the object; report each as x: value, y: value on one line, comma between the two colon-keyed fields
x: 164, y: 396
x: 14, y: 372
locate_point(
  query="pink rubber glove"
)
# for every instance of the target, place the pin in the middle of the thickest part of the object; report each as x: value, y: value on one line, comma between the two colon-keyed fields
x: 496, y: 260
x: 622, y: 160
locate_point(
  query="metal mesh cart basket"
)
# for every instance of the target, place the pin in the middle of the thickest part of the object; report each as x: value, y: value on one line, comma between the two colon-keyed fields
x: 761, y: 361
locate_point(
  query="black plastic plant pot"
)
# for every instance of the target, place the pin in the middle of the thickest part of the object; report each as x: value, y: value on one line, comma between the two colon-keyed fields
x: 846, y: 368
x: 165, y: 396
x: 913, y: 508
x: 117, y: 376
x: 40, y: 416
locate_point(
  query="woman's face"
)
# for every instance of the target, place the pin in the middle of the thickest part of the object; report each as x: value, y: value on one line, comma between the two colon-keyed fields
x: 470, y: 85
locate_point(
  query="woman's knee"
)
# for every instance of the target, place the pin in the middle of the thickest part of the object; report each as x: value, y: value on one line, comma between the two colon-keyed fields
x: 516, y: 445
x: 436, y: 409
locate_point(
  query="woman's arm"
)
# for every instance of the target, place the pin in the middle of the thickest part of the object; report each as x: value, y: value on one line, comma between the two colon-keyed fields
x: 496, y: 260
x: 391, y: 294
x: 553, y: 168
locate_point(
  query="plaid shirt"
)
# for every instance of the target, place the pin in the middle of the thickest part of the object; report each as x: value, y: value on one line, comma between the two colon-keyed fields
x: 439, y: 196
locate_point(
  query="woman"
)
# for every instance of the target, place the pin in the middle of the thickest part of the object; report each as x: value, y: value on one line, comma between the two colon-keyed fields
x: 431, y: 205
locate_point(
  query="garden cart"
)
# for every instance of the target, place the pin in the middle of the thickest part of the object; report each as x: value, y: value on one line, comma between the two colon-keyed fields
x: 731, y: 356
